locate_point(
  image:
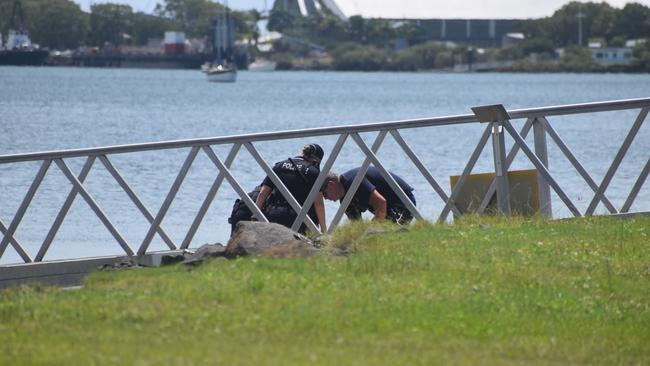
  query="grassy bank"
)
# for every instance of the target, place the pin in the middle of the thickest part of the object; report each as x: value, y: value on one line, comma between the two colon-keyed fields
x: 484, y: 291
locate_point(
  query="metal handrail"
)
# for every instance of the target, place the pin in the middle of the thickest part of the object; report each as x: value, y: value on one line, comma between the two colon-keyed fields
x: 536, y: 119
x: 325, y: 131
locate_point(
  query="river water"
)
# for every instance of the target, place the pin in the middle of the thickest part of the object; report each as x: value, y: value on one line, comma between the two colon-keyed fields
x: 45, y: 109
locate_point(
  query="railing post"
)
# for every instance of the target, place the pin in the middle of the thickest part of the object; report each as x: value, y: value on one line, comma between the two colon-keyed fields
x: 500, y: 169
x: 544, y: 189
x: 497, y: 115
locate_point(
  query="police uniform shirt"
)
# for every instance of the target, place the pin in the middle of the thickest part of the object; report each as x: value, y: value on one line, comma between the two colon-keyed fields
x: 373, y: 180
x: 290, y: 175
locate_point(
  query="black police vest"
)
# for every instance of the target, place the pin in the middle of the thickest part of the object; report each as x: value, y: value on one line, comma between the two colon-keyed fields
x: 298, y: 175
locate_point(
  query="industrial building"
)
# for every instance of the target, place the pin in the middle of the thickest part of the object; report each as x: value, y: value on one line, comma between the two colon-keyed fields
x: 478, y: 32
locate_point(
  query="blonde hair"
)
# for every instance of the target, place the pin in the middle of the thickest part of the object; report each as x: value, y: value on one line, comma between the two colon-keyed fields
x: 309, y: 153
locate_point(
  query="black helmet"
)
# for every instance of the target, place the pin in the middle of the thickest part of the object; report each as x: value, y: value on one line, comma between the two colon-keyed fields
x: 314, y: 152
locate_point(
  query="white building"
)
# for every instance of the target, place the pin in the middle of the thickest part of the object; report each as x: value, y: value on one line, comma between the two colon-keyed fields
x: 611, y: 55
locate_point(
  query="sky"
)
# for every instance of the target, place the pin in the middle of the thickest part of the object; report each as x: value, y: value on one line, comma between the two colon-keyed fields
x: 406, y: 8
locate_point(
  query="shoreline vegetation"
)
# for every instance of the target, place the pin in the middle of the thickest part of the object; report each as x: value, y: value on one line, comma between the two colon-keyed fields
x: 484, y: 290
x: 377, y: 61
x: 562, y: 42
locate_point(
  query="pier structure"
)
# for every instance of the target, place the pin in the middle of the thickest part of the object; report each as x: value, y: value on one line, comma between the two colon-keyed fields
x: 496, y: 122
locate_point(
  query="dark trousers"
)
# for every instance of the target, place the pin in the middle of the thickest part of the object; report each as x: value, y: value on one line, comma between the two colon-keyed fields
x: 398, y: 213
x: 285, y: 216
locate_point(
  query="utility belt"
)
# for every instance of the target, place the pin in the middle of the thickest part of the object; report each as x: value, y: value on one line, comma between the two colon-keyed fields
x: 275, y: 206
x: 276, y: 199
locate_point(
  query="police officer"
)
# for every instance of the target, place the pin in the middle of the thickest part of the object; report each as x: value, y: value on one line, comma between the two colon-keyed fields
x: 298, y: 174
x: 373, y: 194
x: 241, y: 212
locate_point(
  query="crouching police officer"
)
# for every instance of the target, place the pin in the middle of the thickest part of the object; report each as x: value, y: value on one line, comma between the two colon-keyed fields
x: 373, y: 194
x: 298, y: 174
x: 241, y: 212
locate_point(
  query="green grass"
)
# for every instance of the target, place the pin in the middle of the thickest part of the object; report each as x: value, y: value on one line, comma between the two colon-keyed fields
x: 481, y: 291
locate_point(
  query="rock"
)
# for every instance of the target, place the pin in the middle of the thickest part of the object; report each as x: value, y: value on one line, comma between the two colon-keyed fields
x: 372, y: 231
x: 125, y: 264
x: 321, y: 240
x: 205, y: 251
x: 270, y: 239
x: 171, y: 259
x: 291, y: 249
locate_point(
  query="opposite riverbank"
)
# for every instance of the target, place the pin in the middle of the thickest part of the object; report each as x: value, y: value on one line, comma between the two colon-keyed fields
x: 481, y: 291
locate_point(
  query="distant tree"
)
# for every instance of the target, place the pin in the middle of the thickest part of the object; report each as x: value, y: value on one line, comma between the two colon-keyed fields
x: 641, y: 52
x: 410, y: 31
x: 61, y: 25
x: 617, y: 41
x: 379, y: 32
x: 108, y: 23
x: 281, y: 21
x: 195, y: 16
x: 363, y: 58
x: 599, y: 20
x: 577, y: 59
x: 245, y: 23
x: 357, y: 28
x: 147, y: 26
x: 56, y: 24
x: 333, y: 27
x: 634, y: 21
x: 536, y: 45
x: 420, y: 57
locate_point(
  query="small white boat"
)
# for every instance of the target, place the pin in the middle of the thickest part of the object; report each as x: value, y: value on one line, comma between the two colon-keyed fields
x: 262, y: 65
x: 221, y: 73
x: 222, y: 69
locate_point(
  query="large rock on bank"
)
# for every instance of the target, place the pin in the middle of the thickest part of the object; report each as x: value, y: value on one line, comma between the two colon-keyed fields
x: 204, y: 252
x: 268, y: 239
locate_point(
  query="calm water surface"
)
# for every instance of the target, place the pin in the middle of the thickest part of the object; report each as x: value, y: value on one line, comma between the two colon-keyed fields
x: 63, y: 108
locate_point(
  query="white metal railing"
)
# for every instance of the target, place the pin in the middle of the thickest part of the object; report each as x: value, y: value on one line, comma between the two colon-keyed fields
x: 535, y: 119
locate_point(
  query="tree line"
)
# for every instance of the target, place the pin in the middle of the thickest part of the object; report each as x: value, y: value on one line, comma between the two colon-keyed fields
x: 354, y: 44
x: 599, y: 20
x: 62, y: 24
x: 368, y: 44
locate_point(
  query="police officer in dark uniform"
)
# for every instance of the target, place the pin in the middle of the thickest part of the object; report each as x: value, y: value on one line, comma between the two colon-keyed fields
x: 241, y: 212
x: 373, y: 194
x: 298, y: 174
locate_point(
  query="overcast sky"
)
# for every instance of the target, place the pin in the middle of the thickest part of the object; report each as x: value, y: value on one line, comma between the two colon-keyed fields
x: 407, y: 8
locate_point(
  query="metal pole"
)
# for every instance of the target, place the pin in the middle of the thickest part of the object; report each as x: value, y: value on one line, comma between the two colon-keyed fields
x: 544, y: 189
x: 356, y: 182
x: 94, y: 206
x: 211, y: 194
x: 135, y: 199
x: 500, y: 169
x: 637, y: 187
x: 509, y: 159
x: 463, y: 177
x: 617, y: 160
x: 64, y: 210
x: 168, y: 200
x: 9, y: 233
x: 576, y: 164
x: 541, y: 168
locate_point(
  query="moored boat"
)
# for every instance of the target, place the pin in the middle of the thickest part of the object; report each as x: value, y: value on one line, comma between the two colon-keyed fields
x: 262, y: 65
x: 23, y: 57
x: 18, y: 49
x: 222, y: 68
x: 221, y: 73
